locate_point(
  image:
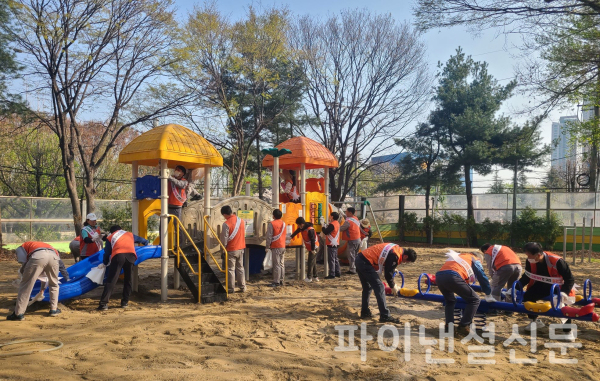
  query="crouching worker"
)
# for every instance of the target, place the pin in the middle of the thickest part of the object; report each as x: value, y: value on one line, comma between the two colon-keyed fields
x: 40, y: 258
x: 119, y: 253
x: 504, y: 266
x: 455, y: 277
x: 381, y: 258
x: 542, y: 270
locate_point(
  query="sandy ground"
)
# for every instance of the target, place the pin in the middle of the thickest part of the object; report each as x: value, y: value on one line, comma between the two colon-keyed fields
x: 283, y: 334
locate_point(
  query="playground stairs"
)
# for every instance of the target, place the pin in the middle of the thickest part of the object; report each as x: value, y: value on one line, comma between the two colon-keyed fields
x: 208, y: 284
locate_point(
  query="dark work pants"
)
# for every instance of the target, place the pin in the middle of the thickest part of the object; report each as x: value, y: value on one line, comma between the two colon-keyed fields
x: 120, y: 261
x: 370, y: 281
x: 450, y: 283
x: 539, y: 291
x: 312, y: 264
x: 334, y: 261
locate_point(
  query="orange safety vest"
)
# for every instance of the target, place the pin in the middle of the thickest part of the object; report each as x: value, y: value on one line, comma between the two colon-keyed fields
x: 33, y: 246
x: 374, y: 254
x: 85, y: 249
x: 307, y: 239
x: 278, y: 229
x: 237, y: 241
x: 366, y: 230
x: 353, y: 232
x: 455, y: 266
x: 551, y: 260
x: 122, y: 242
x: 504, y: 257
x: 334, y: 234
x: 177, y: 196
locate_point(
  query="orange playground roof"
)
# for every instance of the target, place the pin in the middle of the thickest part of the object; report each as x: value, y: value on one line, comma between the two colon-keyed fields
x: 304, y: 150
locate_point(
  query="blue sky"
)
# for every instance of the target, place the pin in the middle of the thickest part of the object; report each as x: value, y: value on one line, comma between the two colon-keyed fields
x: 441, y: 44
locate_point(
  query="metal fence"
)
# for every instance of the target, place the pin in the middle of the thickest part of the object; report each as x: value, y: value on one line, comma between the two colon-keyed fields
x: 43, y: 219
x: 571, y: 208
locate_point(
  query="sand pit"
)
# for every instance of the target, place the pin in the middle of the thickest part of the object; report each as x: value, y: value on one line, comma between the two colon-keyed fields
x: 282, y: 334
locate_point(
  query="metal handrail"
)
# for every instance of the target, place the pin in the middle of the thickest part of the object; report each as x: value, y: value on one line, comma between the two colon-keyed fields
x: 207, y: 225
x: 179, y: 252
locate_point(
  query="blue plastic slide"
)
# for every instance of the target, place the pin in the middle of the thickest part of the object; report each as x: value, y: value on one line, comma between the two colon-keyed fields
x: 79, y: 284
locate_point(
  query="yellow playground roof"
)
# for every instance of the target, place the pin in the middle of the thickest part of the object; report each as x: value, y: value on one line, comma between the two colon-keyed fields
x: 172, y: 142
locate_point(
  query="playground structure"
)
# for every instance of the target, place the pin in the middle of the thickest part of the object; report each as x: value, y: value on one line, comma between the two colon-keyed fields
x: 549, y: 308
x: 194, y: 238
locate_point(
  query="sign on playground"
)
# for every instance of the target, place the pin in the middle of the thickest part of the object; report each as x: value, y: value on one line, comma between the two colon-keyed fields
x: 248, y: 217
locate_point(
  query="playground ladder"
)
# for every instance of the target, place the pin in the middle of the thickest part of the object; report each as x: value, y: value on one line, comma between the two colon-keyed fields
x: 192, y: 266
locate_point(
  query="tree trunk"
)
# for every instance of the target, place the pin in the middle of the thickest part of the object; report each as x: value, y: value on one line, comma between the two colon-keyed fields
x: 71, y: 183
x: 90, y: 191
x: 514, y: 206
x: 258, y: 168
x: 470, y: 213
x: 427, y: 224
x: 594, y: 153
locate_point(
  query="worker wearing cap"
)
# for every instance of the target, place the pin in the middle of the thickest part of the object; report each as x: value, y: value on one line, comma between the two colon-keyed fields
x: 40, y: 257
x: 233, y: 237
x: 90, y: 240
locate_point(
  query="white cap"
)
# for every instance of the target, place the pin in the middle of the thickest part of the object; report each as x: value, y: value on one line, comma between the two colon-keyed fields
x: 91, y: 217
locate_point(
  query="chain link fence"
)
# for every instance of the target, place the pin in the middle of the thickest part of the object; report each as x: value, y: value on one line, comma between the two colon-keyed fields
x: 44, y: 219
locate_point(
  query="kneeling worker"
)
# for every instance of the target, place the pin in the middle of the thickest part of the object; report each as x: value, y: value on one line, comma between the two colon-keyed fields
x: 542, y: 270
x: 119, y: 253
x: 503, y: 265
x: 455, y: 277
x: 383, y: 257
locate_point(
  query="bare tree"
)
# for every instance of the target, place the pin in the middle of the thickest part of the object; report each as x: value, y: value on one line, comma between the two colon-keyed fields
x: 95, y: 57
x: 367, y: 81
x: 512, y: 15
x: 244, y: 78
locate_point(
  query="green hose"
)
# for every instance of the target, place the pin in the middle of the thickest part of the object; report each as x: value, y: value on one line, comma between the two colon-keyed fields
x: 57, y: 344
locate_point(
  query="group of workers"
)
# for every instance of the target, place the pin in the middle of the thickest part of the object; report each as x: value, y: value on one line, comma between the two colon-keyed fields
x: 41, y: 261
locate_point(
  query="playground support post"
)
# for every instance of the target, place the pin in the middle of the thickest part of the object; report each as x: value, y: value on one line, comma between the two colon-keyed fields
x: 303, y: 200
x: 164, y: 228
x: 325, y: 254
x: 135, y: 229
x: 275, y: 183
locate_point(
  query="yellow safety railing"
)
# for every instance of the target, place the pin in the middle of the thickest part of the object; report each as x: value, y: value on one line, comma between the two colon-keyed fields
x: 179, y: 253
x: 206, y: 251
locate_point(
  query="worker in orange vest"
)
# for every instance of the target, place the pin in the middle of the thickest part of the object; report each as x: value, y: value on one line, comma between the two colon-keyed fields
x: 119, y: 254
x: 504, y: 266
x: 40, y: 257
x: 233, y: 237
x: 331, y: 231
x: 370, y: 264
x: 352, y: 232
x: 177, y: 186
x: 91, y: 237
x: 311, y: 242
x: 276, y: 234
x: 455, y: 277
x: 542, y: 270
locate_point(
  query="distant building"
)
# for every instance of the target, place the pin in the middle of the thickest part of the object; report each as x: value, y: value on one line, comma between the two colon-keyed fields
x: 564, y: 149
